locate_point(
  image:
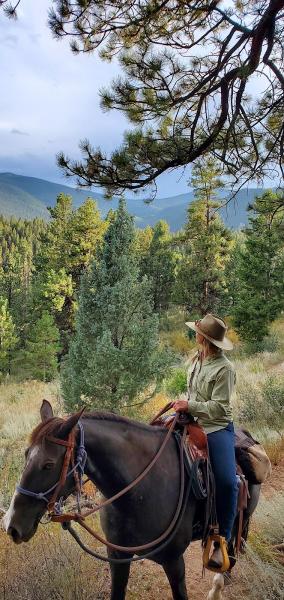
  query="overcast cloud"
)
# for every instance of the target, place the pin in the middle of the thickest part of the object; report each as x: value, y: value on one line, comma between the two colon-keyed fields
x: 49, y: 100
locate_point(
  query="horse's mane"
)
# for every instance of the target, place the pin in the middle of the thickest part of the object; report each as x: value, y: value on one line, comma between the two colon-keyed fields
x: 52, y: 425
x: 43, y: 429
x: 113, y: 417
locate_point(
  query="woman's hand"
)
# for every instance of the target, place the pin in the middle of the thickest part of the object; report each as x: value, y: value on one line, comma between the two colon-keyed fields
x: 181, y: 406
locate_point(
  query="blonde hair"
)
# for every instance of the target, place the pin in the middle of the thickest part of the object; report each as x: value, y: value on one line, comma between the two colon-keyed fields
x: 210, y: 347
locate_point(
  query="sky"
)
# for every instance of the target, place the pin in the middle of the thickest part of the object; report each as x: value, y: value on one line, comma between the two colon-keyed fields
x: 49, y: 101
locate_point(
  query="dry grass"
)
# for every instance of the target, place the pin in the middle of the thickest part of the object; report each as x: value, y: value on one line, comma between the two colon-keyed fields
x: 178, y: 341
x: 272, y: 442
x: 260, y: 563
x: 20, y: 404
x: 259, y: 578
x: 51, y: 567
x: 19, y: 413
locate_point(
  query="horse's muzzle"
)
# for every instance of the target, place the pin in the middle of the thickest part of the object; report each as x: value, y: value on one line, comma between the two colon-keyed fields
x: 15, y: 535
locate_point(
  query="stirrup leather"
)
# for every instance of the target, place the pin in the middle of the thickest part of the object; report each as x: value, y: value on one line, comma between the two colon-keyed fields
x: 214, y: 537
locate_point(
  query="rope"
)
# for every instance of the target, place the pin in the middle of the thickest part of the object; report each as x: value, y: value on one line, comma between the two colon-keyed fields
x: 68, y: 527
x: 158, y: 540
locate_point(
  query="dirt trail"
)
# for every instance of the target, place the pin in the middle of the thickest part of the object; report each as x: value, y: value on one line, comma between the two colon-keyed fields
x: 148, y: 581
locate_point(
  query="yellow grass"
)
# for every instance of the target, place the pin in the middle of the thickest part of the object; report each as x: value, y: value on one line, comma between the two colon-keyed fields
x: 19, y: 413
x: 20, y: 404
x: 51, y: 567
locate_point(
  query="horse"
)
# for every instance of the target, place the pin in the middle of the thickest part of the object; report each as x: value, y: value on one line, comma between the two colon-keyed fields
x: 118, y: 449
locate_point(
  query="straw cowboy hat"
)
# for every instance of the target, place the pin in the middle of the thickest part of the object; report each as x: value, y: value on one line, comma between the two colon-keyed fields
x: 213, y: 329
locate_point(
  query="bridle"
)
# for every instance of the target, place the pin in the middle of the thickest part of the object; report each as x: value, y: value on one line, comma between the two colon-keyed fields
x: 55, y: 505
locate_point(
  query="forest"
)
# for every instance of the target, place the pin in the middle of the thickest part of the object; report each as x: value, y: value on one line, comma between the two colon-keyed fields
x: 93, y: 309
x: 92, y: 314
x: 82, y: 286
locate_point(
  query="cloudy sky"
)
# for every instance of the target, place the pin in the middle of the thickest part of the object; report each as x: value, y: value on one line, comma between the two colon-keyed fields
x: 49, y: 100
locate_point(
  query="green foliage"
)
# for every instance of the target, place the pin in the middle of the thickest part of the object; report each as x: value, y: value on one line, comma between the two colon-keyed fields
x: 260, y: 271
x: 8, y: 338
x: 176, y: 383
x: 269, y: 343
x: 71, y: 241
x: 38, y: 360
x: 201, y: 281
x: 115, y: 352
x: 20, y: 242
x: 158, y: 263
x: 189, y: 71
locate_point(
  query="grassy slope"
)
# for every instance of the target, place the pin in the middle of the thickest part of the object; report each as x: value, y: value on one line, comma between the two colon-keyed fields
x: 61, y: 568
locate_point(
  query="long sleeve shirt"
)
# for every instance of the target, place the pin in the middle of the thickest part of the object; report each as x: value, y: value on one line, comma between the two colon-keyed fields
x: 210, y: 386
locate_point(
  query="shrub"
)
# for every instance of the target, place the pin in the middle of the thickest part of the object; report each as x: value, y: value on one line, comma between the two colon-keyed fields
x: 250, y: 404
x: 177, y: 383
x: 178, y: 341
x: 273, y: 398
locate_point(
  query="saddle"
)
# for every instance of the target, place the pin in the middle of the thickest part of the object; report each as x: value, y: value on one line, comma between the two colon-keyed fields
x: 252, y: 462
x: 196, y: 450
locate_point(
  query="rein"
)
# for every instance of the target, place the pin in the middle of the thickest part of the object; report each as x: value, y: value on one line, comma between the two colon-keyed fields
x: 77, y: 469
x: 54, y: 506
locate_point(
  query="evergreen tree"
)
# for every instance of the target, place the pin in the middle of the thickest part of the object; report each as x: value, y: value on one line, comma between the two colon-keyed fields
x: 38, y: 359
x: 115, y: 351
x: 159, y: 264
x: 232, y: 270
x: 71, y: 240
x: 189, y: 70
x: 8, y: 337
x: 261, y: 271
x: 18, y: 247
x: 201, y: 282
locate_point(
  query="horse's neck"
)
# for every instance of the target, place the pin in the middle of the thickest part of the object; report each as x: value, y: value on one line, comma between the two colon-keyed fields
x: 117, y: 452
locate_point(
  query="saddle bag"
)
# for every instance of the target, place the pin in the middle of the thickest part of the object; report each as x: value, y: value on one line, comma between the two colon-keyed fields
x: 251, y: 457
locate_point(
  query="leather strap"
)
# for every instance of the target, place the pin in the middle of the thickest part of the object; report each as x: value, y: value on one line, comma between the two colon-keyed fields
x: 70, y: 445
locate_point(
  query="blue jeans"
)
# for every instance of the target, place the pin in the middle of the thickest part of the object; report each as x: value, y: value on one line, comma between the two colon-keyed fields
x: 222, y: 455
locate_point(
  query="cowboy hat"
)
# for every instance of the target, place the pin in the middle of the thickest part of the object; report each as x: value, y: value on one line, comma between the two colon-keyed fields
x: 213, y: 329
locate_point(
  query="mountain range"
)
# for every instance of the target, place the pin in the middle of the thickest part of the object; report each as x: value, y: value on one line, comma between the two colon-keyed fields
x: 29, y: 197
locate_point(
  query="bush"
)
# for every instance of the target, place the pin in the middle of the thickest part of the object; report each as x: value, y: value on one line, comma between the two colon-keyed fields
x: 270, y: 343
x: 178, y: 341
x: 273, y: 399
x: 176, y: 384
x: 249, y: 401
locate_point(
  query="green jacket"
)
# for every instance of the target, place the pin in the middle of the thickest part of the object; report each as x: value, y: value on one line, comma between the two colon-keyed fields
x: 210, y: 387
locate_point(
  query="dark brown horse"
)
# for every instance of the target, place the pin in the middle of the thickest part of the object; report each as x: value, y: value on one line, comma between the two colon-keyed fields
x: 118, y: 449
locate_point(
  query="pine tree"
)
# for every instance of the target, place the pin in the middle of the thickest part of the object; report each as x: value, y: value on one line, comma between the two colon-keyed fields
x: 115, y: 351
x: 8, y: 337
x: 197, y: 77
x: 159, y: 264
x: 201, y: 284
x: 260, y: 271
x: 18, y: 248
x: 38, y: 359
x: 71, y: 240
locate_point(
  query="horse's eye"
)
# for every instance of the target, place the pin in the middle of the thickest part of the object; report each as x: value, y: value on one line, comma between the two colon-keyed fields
x: 48, y: 466
x: 26, y: 453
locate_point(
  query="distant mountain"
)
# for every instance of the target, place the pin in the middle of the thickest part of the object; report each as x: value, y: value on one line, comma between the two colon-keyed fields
x: 29, y: 197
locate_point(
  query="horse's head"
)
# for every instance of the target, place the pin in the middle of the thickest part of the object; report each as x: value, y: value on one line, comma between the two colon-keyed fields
x: 42, y: 471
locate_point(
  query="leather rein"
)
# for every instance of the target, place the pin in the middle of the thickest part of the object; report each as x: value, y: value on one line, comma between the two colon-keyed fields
x: 70, y: 467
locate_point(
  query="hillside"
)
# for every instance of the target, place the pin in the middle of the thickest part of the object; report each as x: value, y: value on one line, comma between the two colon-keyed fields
x: 28, y: 197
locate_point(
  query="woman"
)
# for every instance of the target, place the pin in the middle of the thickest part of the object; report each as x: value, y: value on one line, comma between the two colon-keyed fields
x: 210, y: 386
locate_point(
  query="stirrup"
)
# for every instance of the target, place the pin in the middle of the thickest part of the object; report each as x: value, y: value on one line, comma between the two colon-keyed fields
x: 215, y: 537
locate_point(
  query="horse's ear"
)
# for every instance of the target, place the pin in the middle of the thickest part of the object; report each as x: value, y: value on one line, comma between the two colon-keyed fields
x: 69, y: 424
x: 46, y: 411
